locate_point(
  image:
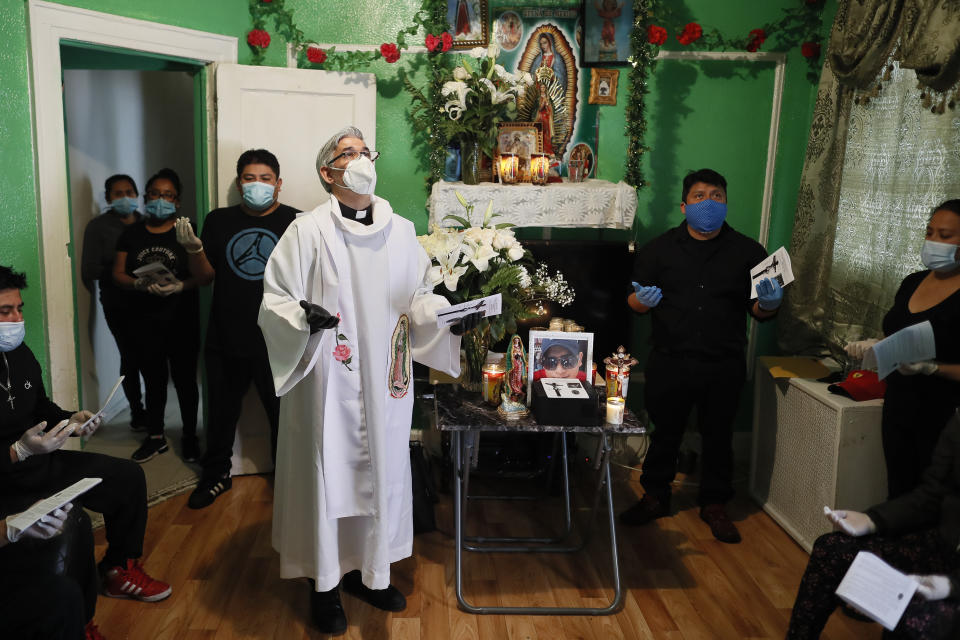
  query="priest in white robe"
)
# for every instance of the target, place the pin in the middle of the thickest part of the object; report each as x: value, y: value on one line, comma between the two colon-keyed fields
x: 345, y: 311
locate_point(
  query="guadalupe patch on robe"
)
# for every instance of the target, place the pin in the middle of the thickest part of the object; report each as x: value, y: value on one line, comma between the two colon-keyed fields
x: 400, y: 358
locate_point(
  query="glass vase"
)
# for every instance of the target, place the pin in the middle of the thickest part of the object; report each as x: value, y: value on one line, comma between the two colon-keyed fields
x: 470, y: 161
x: 476, y: 343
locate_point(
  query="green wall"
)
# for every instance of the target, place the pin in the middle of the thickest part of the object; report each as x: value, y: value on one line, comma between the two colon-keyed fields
x: 675, y: 106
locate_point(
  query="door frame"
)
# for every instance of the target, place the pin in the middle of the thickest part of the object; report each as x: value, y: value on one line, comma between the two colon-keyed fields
x: 50, y: 23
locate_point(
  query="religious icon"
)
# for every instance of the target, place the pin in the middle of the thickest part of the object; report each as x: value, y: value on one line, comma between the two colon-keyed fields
x: 508, y: 29
x: 513, y: 400
x: 607, y: 25
x: 552, y: 101
x: 603, y: 86
x: 467, y: 20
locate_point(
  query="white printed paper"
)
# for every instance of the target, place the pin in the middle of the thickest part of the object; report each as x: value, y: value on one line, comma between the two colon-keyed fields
x: 156, y: 273
x: 491, y: 306
x: 99, y: 414
x: 39, y: 509
x: 776, y: 266
x: 911, y: 344
x: 563, y: 388
x: 877, y: 589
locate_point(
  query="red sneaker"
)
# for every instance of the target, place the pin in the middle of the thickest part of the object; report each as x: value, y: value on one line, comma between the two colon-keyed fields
x: 90, y: 632
x: 131, y: 581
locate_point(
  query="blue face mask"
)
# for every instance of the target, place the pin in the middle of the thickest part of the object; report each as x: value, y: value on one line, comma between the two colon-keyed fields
x: 124, y: 206
x: 160, y: 209
x: 706, y: 216
x: 258, y: 195
x: 11, y: 335
x: 939, y: 256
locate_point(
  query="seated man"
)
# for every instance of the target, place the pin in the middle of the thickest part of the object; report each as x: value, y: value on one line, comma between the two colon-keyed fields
x: 33, y: 429
x: 560, y: 359
x: 917, y: 532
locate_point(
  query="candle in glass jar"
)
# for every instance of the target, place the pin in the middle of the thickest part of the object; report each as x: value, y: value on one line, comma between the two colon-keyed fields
x: 615, y: 407
x: 539, y: 168
x: 617, y: 380
x: 493, y: 374
x: 509, y: 166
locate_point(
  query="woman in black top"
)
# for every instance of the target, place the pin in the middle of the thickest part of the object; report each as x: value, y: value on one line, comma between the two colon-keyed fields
x: 921, y: 396
x: 166, y: 313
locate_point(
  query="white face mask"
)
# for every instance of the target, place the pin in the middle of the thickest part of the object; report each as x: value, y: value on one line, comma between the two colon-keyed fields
x: 939, y: 256
x: 360, y: 176
x: 11, y: 335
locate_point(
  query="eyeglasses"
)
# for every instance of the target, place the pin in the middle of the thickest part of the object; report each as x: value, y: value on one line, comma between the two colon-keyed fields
x: 567, y: 362
x: 353, y: 155
x: 153, y: 194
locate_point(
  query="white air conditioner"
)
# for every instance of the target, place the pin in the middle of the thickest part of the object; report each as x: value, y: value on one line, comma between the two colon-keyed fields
x: 813, y: 448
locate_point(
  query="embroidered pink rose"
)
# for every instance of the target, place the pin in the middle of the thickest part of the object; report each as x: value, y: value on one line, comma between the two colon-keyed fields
x: 341, y: 353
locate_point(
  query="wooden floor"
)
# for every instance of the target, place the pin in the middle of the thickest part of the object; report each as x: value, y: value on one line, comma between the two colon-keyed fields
x: 679, y: 582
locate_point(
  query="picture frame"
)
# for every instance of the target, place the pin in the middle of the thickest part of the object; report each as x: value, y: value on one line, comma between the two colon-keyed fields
x: 521, y: 138
x: 607, y: 26
x: 568, y: 340
x: 603, y: 86
x: 468, y: 22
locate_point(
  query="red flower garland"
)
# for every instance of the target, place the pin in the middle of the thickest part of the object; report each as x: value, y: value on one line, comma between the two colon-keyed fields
x: 447, y: 41
x: 258, y: 38
x: 757, y: 37
x: 316, y: 55
x: 656, y: 35
x: 810, y: 50
x: 432, y: 42
x: 691, y: 33
x: 389, y: 52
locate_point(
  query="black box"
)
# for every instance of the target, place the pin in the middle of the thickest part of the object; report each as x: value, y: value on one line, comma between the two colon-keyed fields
x: 583, y: 412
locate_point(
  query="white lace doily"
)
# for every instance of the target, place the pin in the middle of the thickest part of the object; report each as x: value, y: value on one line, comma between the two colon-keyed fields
x: 591, y: 203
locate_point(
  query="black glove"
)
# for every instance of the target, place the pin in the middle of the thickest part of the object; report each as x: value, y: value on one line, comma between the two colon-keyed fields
x: 317, y: 317
x: 466, y: 323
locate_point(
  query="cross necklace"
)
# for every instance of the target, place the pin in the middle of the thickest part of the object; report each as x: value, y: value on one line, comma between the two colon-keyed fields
x: 7, y: 387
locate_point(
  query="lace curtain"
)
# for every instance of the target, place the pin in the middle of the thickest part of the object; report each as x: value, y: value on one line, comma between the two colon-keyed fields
x: 848, y: 262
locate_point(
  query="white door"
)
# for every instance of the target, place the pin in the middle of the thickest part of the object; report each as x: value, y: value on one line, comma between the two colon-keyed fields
x: 291, y: 113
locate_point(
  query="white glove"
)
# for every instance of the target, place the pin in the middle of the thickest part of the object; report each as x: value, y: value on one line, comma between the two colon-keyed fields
x: 141, y: 284
x: 933, y: 587
x: 186, y: 236
x: 856, y: 349
x: 45, y: 528
x: 852, y: 523
x: 81, y: 417
x: 34, y: 441
x: 164, y: 290
x: 926, y: 367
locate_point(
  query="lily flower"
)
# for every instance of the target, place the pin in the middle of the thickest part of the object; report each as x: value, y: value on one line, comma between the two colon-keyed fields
x: 496, y: 96
x: 449, y: 271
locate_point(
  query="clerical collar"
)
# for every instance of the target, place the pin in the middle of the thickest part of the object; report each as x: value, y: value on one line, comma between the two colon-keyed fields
x: 364, y: 216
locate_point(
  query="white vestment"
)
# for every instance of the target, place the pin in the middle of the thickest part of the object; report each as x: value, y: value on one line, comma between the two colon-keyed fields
x: 342, y: 489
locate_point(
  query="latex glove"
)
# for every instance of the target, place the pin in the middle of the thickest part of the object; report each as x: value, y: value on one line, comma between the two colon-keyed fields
x: 857, y: 349
x: 45, y: 528
x: 186, y: 237
x: 852, y: 523
x: 164, y: 290
x: 926, y: 367
x: 933, y: 587
x: 142, y: 284
x: 81, y: 417
x: 466, y: 323
x: 647, y: 296
x: 317, y: 317
x: 769, y: 294
x: 34, y: 441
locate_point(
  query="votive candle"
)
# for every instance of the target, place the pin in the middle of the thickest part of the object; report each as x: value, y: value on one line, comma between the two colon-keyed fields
x: 615, y: 408
x: 539, y: 168
x: 493, y: 374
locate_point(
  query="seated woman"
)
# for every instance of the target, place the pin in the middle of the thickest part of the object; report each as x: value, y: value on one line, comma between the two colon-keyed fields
x: 917, y: 533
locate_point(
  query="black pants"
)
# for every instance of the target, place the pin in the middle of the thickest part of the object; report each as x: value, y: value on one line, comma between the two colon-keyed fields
x: 124, y: 329
x: 121, y: 497
x: 919, y: 553
x: 228, y: 378
x: 674, y: 386
x: 41, y: 607
x: 68, y: 555
x: 177, y: 344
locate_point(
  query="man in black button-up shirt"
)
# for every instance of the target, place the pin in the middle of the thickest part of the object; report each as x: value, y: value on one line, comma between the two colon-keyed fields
x: 694, y: 281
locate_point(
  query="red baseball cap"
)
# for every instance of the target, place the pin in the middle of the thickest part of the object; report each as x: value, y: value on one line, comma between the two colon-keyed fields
x: 860, y: 385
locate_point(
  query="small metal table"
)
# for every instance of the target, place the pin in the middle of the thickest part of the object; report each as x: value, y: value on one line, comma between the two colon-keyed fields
x: 465, y: 415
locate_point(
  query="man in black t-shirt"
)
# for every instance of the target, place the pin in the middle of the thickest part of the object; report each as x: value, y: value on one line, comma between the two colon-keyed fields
x: 694, y: 281
x: 237, y: 242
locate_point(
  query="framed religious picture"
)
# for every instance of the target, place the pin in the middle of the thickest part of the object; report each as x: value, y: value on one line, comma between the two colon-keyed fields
x: 607, y: 26
x: 521, y: 138
x: 559, y: 354
x: 467, y: 20
x: 603, y: 86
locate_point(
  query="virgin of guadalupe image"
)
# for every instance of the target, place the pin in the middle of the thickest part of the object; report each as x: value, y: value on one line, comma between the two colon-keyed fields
x: 552, y: 100
x: 512, y: 400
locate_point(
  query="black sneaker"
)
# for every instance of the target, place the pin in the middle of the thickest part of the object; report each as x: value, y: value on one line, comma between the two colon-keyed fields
x: 151, y: 446
x: 207, y: 491
x: 327, y: 612
x: 647, y: 510
x: 190, y: 446
x: 389, y: 599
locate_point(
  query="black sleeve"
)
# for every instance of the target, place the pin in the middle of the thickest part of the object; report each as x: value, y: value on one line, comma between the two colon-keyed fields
x: 644, y: 265
x: 757, y: 255
x: 125, y: 241
x: 91, y: 258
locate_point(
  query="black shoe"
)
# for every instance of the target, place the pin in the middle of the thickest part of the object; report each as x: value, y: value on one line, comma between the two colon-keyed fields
x: 647, y: 510
x: 208, y: 490
x: 151, y: 446
x: 190, y: 447
x: 389, y: 599
x: 721, y: 526
x: 327, y: 612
